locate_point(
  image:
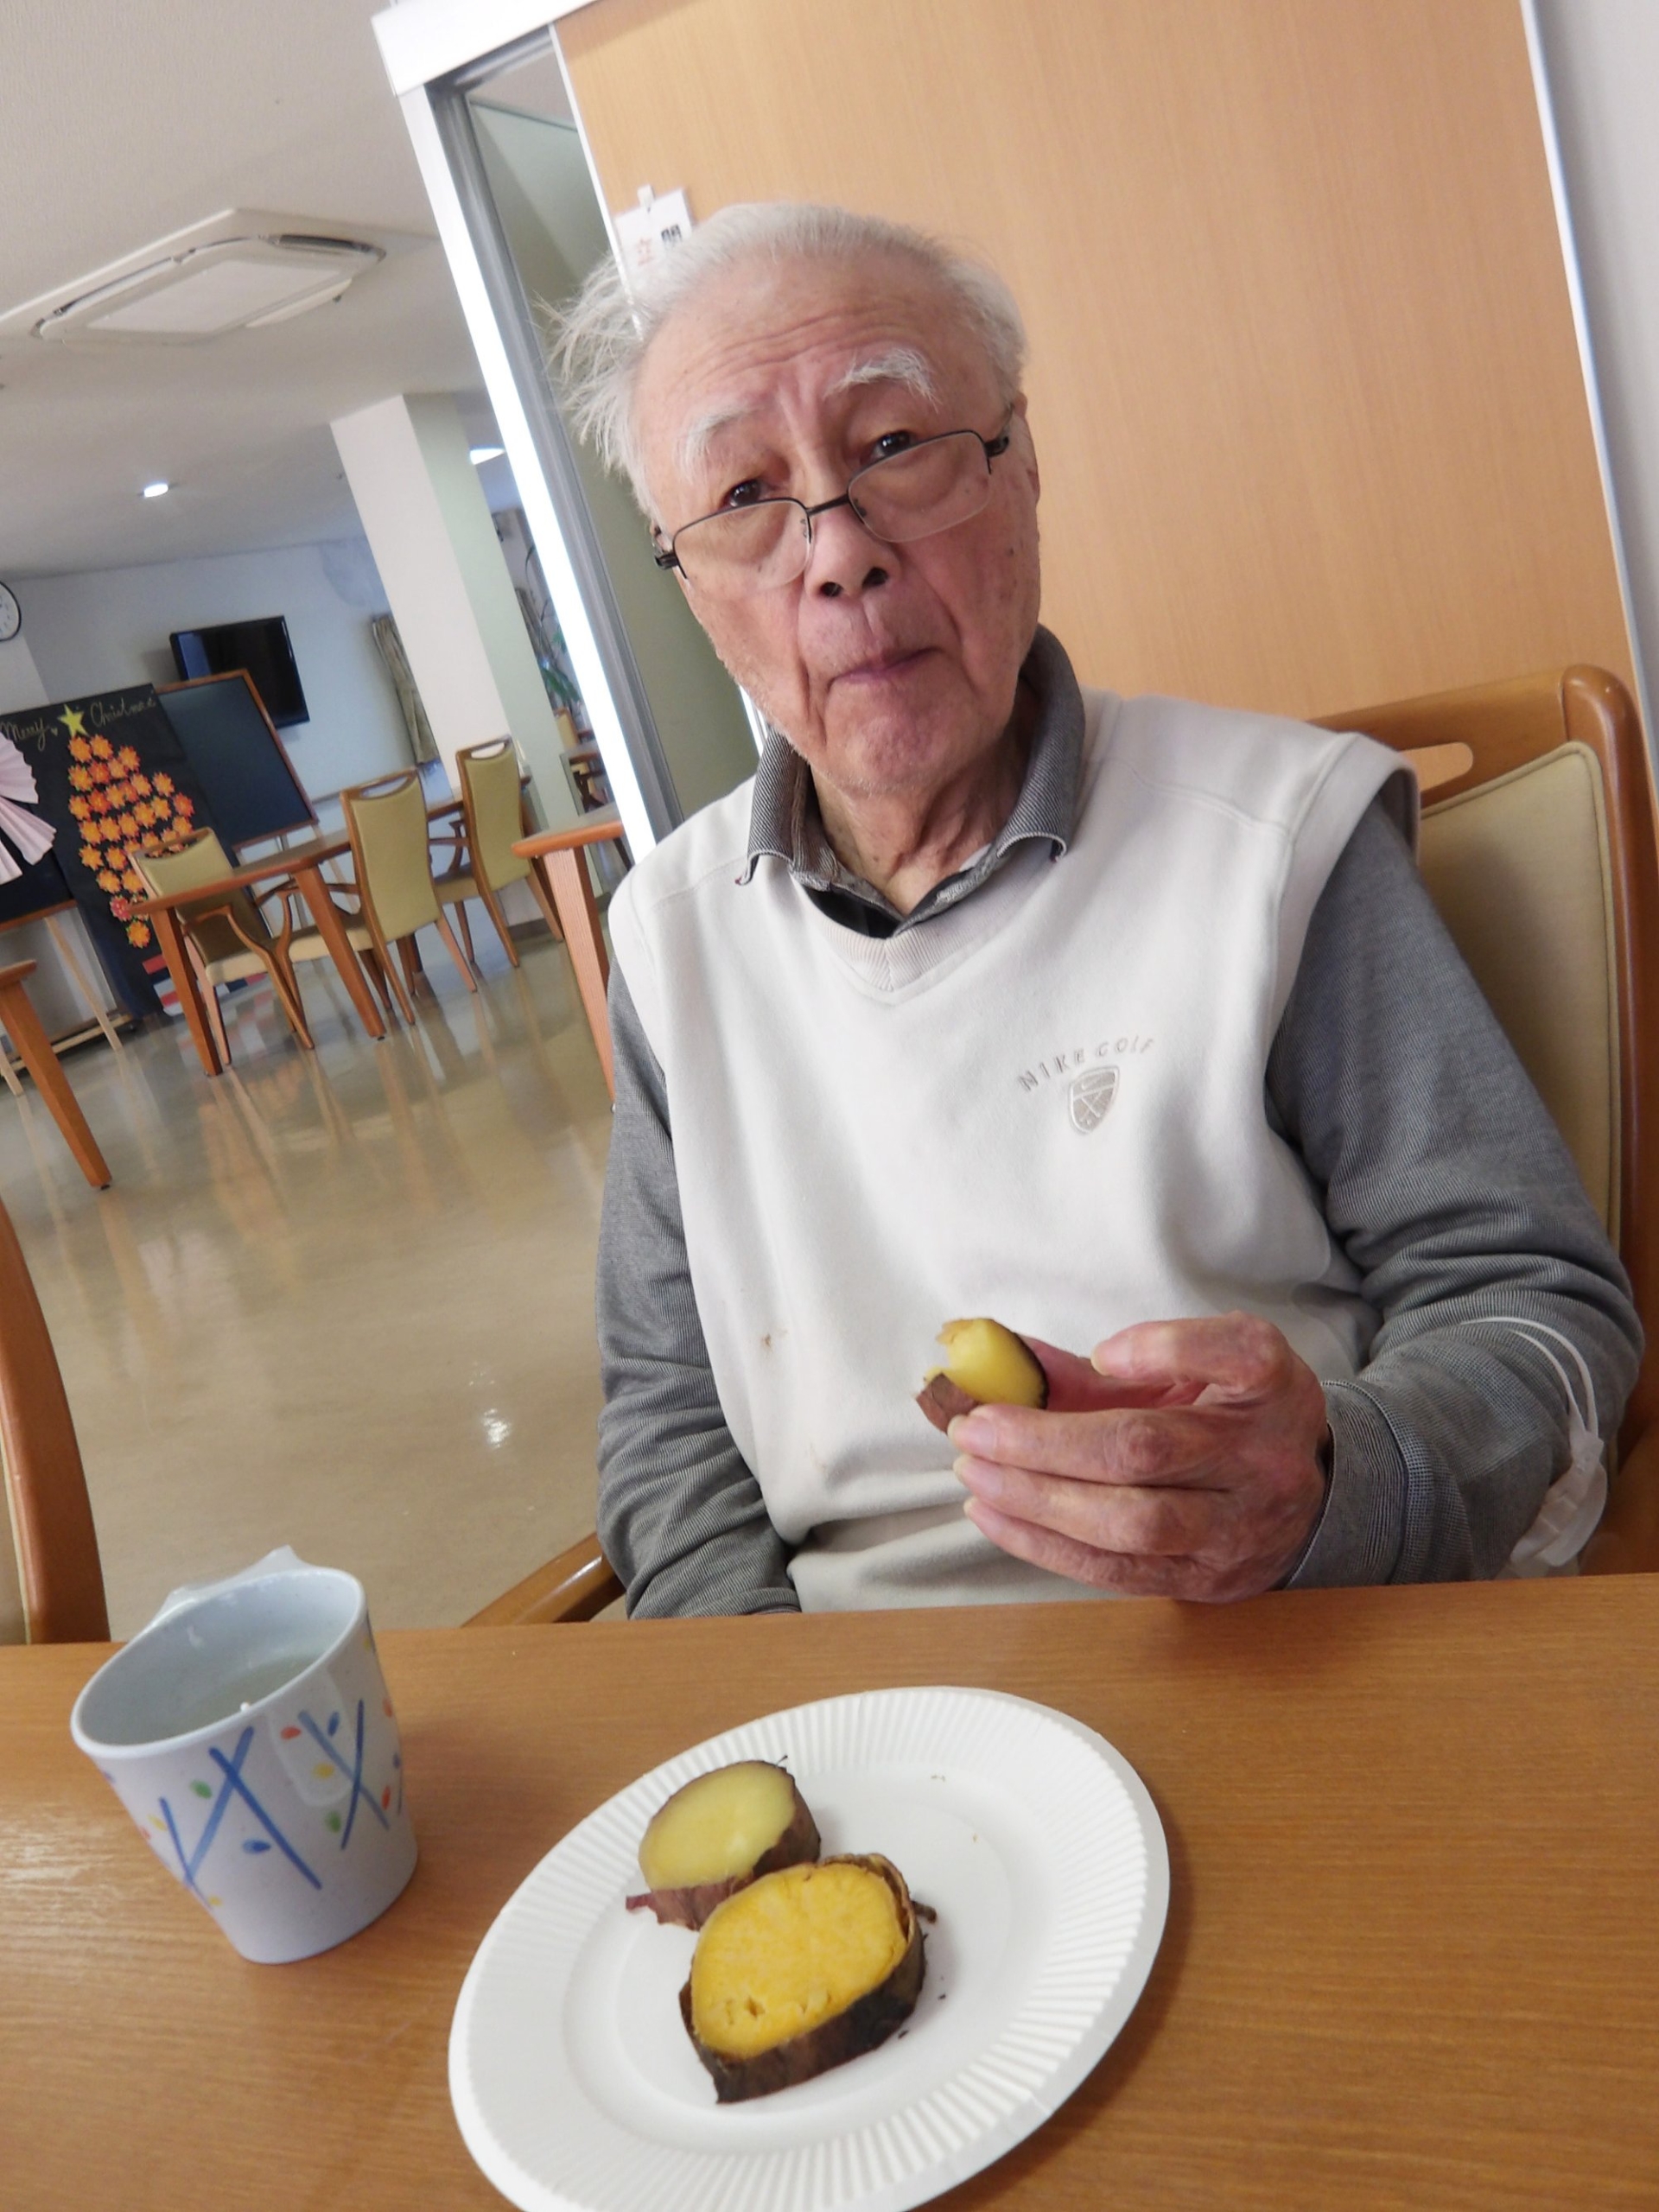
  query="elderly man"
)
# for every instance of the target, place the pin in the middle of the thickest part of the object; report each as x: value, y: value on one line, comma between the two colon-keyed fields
x: 1127, y: 1021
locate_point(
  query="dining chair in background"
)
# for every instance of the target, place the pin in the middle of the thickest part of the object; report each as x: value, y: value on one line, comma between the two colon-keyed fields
x: 229, y: 940
x: 391, y: 861
x: 492, y: 820
x: 51, y: 1576
x: 1539, y: 848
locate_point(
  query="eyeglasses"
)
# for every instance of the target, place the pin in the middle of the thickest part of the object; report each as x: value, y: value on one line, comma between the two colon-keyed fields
x: 929, y: 486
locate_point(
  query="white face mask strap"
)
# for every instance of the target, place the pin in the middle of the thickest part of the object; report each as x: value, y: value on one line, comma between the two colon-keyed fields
x: 1585, y: 1419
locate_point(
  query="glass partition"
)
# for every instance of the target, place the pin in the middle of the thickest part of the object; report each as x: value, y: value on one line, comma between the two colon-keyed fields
x: 502, y: 158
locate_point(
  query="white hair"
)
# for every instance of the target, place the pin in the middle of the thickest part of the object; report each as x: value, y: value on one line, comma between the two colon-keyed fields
x: 599, y: 342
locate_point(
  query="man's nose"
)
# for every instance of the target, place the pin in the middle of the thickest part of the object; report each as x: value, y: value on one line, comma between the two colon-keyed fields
x: 845, y: 559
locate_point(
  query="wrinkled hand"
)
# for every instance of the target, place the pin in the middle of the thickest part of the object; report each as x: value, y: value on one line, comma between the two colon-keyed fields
x: 1185, y: 1459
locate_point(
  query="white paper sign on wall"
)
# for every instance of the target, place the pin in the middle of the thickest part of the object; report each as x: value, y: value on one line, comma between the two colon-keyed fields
x: 655, y: 227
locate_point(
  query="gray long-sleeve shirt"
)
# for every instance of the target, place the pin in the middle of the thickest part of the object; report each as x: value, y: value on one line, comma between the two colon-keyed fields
x: 1445, y: 1181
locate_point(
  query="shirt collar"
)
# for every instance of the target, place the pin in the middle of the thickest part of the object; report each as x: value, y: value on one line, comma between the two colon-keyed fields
x: 784, y: 822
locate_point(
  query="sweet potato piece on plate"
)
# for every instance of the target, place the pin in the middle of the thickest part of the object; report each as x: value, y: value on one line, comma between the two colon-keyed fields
x: 717, y: 1834
x: 802, y: 1970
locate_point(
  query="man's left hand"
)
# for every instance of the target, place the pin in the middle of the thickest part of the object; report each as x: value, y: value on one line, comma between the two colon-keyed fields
x: 1184, y: 1460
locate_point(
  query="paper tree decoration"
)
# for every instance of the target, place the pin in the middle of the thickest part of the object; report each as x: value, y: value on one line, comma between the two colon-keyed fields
x: 32, y: 836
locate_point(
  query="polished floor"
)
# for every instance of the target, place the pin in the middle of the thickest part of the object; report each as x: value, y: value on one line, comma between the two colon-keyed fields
x: 341, y: 1301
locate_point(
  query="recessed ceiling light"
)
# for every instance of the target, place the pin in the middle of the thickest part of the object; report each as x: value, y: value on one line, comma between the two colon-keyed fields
x: 156, y: 491
x: 477, y: 453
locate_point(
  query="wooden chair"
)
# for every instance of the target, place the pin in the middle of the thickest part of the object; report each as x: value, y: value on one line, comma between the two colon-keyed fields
x: 51, y: 1578
x: 392, y: 864
x: 493, y: 817
x: 229, y: 939
x: 1539, y: 848
x: 22, y: 1025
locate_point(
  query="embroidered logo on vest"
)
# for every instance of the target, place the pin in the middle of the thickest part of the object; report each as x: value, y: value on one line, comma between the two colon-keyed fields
x: 1090, y: 1099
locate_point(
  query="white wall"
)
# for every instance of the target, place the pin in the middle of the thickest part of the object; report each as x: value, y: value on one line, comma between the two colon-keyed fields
x: 1602, y: 61
x: 100, y: 631
x: 20, y: 680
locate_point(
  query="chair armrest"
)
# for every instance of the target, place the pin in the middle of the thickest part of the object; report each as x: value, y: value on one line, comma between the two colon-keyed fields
x: 1627, y: 1542
x: 574, y: 1586
x: 455, y: 847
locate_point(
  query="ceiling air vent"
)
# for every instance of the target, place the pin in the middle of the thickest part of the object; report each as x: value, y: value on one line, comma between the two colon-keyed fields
x: 240, y: 271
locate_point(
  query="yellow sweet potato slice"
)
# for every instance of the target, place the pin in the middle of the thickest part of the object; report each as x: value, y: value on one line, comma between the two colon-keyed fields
x: 986, y: 1364
x: 718, y: 1833
x: 802, y: 1970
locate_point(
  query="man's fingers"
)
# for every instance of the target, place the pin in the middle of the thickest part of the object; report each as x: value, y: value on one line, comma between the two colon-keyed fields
x: 1160, y: 1522
x: 1075, y: 1387
x: 1133, y: 1445
x: 1100, y: 1570
x: 1234, y: 1354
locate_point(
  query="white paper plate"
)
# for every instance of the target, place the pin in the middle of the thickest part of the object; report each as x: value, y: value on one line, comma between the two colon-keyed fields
x: 575, y: 2082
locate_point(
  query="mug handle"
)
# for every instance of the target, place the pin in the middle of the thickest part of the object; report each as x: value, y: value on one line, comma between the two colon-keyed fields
x: 277, y: 1562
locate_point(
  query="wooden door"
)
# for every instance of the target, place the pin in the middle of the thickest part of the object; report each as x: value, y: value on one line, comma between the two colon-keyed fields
x: 1304, y: 378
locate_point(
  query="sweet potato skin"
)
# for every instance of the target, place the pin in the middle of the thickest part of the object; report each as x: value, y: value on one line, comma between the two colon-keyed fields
x: 691, y: 1906
x: 942, y: 1401
x: 863, y: 2026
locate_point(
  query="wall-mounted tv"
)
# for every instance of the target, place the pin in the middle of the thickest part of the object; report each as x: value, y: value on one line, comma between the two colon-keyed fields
x: 262, y: 648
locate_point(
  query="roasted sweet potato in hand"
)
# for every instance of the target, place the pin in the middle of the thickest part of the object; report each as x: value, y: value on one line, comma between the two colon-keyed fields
x: 986, y: 1364
x: 802, y: 1970
x: 718, y: 1833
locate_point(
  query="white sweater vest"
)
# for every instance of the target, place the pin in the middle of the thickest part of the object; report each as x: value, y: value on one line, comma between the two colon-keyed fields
x: 1046, y: 1105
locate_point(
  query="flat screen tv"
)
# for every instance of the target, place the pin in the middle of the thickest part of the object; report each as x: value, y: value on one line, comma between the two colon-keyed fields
x: 262, y: 648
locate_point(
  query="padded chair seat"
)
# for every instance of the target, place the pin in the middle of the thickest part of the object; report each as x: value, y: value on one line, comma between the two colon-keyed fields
x: 309, y: 944
x: 452, y: 889
x: 233, y: 968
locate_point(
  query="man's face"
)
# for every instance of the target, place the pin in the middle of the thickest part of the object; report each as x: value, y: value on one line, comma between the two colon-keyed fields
x: 891, y: 668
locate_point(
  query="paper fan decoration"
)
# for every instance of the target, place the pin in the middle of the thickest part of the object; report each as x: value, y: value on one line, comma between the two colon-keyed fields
x: 32, y: 836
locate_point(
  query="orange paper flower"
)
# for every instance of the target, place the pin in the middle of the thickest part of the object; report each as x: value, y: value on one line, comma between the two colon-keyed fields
x: 80, y: 779
x: 108, y: 879
x: 127, y: 757
x: 138, y: 932
x: 164, y: 784
x: 102, y: 749
x: 120, y: 908
x: 79, y: 808
x: 184, y: 807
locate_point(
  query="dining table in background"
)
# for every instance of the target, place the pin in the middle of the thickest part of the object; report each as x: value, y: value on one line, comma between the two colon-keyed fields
x: 1412, y: 1956
x: 304, y: 862
x: 561, y: 855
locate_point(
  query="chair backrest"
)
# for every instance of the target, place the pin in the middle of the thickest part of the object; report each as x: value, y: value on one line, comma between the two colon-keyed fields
x: 204, y: 860
x: 392, y: 860
x: 494, y: 810
x: 51, y: 1578
x: 1539, y: 849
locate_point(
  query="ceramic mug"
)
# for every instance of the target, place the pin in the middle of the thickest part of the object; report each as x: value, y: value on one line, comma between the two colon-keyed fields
x: 248, y: 1732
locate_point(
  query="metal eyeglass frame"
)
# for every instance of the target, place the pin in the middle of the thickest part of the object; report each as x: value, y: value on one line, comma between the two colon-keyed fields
x: 993, y: 448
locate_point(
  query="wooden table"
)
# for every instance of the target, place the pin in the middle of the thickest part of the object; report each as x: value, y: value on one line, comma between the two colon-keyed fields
x: 1412, y: 1958
x: 560, y: 856
x: 304, y: 863
x: 22, y: 1025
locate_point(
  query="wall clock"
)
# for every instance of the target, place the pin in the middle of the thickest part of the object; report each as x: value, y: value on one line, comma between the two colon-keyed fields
x: 11, y: 615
